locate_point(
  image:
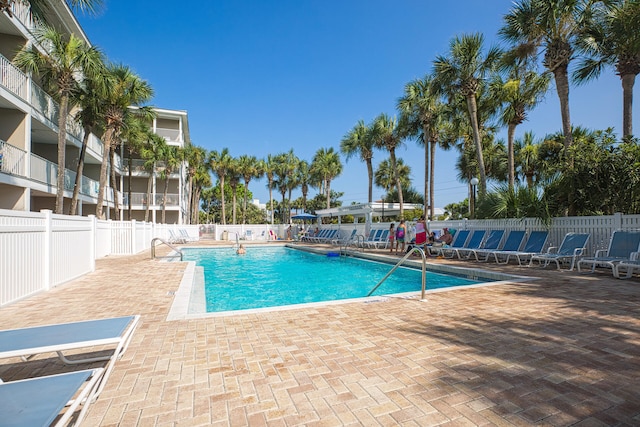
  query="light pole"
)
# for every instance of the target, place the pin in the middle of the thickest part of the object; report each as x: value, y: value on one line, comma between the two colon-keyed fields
x: 474, y: 181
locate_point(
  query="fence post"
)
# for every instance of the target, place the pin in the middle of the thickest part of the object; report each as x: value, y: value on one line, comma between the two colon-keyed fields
x: 46, y: 262
x: 94, y: 239
x: 617, y: 221
x: 133, y: 236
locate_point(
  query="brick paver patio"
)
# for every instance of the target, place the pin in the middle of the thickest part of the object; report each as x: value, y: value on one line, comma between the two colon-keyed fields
x: 562, y: 350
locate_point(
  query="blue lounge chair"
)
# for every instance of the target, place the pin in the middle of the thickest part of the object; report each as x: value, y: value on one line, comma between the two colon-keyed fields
x: 459, y: 240
x: 372, y: 240
x: 512, y: 244
x: 339, y: 241
x: 474, y: 242
x: 58, y: 338
x: 622, y: 245
x: 572, y: 247
x: 627, y: 266
x: 491, y: 243
x: 39, y: 401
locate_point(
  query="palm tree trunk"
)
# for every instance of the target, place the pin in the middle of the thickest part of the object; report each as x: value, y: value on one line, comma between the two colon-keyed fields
x: 271, y: 199
x: 235, y: 198
x: 106, y: 138
x: 473, y: 116
x: 114, y: 183
x: 244, y: 207
x: 396, y: 178
x: 62, y: 142
x: 425, y: 136
x: 628, y: 80
x: 370, y: 174
x: 562, y: 87
x: 148, y: 201
x: 164, y: 196
x: 224, y: 219
x: 79, y: 169
x: 129, y: 175
x: 511, y: 130
x: 328, y: 188
x: 432, y: 171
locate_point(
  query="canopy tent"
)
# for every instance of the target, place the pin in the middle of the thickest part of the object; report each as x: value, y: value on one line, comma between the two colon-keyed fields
x: 304, y: 216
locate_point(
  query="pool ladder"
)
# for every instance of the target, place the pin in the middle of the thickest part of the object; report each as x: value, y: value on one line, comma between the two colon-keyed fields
x: 356, y: 240
x: 399, y: 263
x: 158, y: 239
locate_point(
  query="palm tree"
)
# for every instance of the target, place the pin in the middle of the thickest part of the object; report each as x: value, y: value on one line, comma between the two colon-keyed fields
x: 152, y: 153
x: 304, y: 179
x: 463, y: 72
x: 269, y: 166
x: 358, y: 141
x: 62, y: 69
x: 553, y: 26
x: 201, y: 180
x: 522, y: 91
x: 40, y: 7
x: 194, y: 157
x: 234, y: 176
x: 171, y: 156
x: 421, y: 117
x: 125, y: 89
x: 385, y: 175
x: 136, y: 134
x: 526, y: 158
x: 90, y: 118
x: 386, y: 136
x: 612, y: 38
x: 326, y: 163
x: 249, y: 168
x: 220, y: 162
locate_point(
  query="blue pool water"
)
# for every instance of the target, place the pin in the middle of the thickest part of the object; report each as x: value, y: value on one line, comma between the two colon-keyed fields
x: 276, y: 276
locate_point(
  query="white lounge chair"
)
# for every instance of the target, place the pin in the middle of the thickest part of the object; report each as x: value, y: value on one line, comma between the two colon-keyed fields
x: 39, y: 401
x: 491, y: 243
x: 622, y: 245
x: 474, y: 242
x: 459, y: 240
x: 572, y: 247
x: 511, y: 244
x: 27, y: 342
x: 534, y: 245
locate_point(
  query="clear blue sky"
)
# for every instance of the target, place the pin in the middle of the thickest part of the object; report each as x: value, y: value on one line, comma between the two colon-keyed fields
x: 263, y: 77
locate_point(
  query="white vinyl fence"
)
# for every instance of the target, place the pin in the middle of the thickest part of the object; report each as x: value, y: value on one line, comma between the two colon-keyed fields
x: 41, y: 250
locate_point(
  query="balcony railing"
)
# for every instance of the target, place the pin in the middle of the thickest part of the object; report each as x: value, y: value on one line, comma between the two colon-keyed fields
x: 12, y: 78
x: 22, y: 12
x: 172, y: 135
x: 12, y: 159
x: 140, y: 199
x: 137, y: 167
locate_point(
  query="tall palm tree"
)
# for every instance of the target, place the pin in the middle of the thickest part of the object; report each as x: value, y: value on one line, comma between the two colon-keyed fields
x: 326, y: 163
x: 233, y: 175
x: 463, y: 71
x: 358, y: 141
x: 526, y: 156
x: 201, y: 180
x: 171, y: 156
x: 552, y: 26
x: 249, y: 168
x: 194, y: 157
x: 136, y: 134
x: 386, y: 136
x: 422, y: 117
x: 612, y: 38
x: 523, y: 89
x: 385, y: 175
x: 304, y: 179
x: 220, y: 162
x: 269, y: 166
x: 152, y: 153
x: 62, y: 69
x: 90, y: 117
x: 125, y: 89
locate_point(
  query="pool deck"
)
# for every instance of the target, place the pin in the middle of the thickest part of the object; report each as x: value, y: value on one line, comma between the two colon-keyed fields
x: 558, y: 351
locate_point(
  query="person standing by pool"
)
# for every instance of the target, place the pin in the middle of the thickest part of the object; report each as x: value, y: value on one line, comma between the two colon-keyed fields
x: 392, y: 236
x: 421, y: 231
x: 400, y: 232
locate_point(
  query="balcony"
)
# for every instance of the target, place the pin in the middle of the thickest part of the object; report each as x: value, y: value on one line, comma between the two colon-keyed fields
x: 138, y: 169
x: 12, y: 159
x: 171, y: 135
x: 140, y: 200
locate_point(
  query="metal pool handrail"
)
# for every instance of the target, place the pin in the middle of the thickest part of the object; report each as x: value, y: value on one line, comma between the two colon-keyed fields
x: 424, y: 271
x: 153, y: 247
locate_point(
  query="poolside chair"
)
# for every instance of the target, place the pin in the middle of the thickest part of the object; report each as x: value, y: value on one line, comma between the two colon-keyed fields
x: 328, y: 237
x: 534, y: 245
x: 572, y: 247
x: 383, y: 241
x: 511, y: 244
x: 339, y: 241
x: 627, y: 266
x: 371, y: 241
x: 474, y: 242
x: 491, y: 243
x: 622, y: 244
x: 39, y: 401
x: 58, y: 338
x: 175, y: 238
x: 459, y: 240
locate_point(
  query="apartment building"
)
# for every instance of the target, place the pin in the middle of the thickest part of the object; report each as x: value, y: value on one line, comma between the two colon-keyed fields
x: 29, y: 132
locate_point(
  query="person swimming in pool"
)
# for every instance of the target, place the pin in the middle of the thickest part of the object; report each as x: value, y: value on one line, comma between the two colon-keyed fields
x: 241, y: 250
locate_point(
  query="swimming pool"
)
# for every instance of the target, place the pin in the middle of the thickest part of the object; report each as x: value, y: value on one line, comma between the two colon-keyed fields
x: 278, y: 276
